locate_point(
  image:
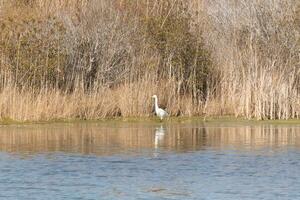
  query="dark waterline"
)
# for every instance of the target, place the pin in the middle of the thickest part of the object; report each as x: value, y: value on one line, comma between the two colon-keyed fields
x: 150, y: 161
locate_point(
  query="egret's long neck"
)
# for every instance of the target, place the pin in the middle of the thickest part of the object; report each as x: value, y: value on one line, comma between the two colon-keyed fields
x: 156, y: 104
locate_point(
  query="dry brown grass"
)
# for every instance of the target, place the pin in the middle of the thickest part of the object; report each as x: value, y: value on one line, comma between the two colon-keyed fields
x: 127, y: 100
x: 96, y: 59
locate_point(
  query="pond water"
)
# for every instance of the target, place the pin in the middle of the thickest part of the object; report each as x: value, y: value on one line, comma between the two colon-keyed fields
x: 118, y: 160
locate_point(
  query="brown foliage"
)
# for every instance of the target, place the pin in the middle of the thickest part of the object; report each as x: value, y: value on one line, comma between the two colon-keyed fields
x: 98, y: 58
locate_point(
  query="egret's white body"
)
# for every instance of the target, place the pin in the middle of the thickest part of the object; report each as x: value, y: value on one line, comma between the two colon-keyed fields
x: 159, y: 112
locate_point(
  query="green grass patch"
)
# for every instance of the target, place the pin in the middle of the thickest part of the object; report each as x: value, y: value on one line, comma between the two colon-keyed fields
x: 153, y: 119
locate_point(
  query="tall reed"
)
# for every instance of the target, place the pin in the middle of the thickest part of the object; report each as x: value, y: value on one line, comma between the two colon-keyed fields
x: 96, y: 59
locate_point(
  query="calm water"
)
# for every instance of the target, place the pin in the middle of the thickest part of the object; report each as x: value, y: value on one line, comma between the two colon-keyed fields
x: 150, y: 161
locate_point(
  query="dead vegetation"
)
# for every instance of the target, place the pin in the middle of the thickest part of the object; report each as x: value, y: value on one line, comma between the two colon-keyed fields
x: 96, y: 59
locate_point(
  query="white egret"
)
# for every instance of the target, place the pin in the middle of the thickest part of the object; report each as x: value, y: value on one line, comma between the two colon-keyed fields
x: 159, y: 112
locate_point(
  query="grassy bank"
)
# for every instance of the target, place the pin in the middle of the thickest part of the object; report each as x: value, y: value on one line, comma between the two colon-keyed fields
x: 218, y: 121
x: 100, y: 59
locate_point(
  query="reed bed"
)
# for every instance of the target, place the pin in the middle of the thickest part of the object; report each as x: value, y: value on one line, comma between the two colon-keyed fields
x: 98, y: 59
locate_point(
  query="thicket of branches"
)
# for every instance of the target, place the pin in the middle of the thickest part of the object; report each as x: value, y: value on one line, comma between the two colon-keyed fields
x: 201, y: 57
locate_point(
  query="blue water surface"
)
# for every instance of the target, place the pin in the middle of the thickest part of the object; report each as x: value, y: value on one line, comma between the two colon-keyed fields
x: 208, y: 172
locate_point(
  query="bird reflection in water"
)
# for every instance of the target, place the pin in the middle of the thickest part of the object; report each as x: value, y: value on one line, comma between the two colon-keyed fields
x: 159, y: 136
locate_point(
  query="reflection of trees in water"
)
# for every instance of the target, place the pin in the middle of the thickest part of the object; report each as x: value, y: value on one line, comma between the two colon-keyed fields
x: 107, y: 139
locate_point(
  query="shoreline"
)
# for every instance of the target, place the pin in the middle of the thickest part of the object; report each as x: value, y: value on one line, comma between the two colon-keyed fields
x: 220, y: 119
